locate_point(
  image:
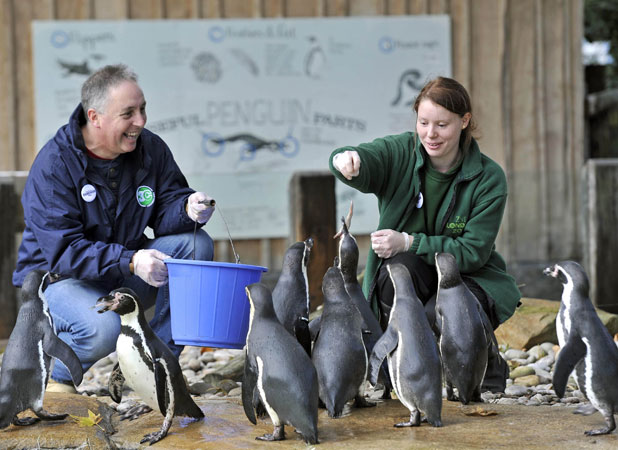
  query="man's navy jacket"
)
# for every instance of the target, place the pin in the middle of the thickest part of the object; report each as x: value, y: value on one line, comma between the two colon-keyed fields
x: 72, y: 226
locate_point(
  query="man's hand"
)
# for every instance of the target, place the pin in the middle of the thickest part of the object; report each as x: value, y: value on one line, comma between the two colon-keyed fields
x: 149, y: 266
x: 200, y: 207
x: 388, y: 243
x: 348, y: 163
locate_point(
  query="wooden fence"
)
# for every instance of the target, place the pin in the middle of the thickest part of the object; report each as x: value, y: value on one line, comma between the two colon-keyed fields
x: 520, y: 60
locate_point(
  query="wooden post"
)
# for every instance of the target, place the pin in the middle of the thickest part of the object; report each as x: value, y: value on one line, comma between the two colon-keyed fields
x: 313, y: 214
x: 9, y: 204
x: 601, y: 239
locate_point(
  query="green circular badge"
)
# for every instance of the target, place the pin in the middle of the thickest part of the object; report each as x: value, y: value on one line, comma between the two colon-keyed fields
x: 145, y: 196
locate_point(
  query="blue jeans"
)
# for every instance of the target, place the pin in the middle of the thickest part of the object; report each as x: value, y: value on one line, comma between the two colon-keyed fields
x: 93, y: 336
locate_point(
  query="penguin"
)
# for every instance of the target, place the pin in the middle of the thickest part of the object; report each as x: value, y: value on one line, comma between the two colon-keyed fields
x: 278, y: 373
x: 291, y: 293
x: 464, y: 339
x: 146, y: 364
x: 412, y: 353
x: 28, y: 355
x: 339, y: 353
x: 588, y: 339
x: 563, y: 321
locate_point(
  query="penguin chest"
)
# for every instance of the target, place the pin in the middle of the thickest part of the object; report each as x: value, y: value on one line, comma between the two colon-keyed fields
x: 138, y: 374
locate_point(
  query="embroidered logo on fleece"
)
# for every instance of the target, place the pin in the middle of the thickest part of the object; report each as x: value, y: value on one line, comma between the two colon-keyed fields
x: 458, y: 225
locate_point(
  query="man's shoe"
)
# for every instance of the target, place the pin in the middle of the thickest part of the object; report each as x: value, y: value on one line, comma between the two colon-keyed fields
x: 56, y: 386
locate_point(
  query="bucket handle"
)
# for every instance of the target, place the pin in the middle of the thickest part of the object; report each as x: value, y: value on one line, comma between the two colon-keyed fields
x: 209, y: 204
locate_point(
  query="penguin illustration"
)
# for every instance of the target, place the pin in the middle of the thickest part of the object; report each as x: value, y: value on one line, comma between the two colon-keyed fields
x: 146, y: 364
x: 278, y: 373
x: 314, y: 59
x: 412, y: 353
x: 589, y: 340
x: 408, y: 87
x: 28, y: 355
x: 291, y: 293
x: 464, y: 340
x: 339, y: 353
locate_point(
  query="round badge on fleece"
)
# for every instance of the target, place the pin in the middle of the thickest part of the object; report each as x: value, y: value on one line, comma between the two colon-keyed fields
x: 419, y: 202
x: 145, y: 196
x: 89, y: 193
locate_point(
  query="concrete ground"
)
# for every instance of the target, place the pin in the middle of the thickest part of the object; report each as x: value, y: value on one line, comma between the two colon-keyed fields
x: 225, y: 426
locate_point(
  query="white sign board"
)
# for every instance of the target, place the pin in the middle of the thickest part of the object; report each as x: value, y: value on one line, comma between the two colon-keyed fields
x: 243, y: 104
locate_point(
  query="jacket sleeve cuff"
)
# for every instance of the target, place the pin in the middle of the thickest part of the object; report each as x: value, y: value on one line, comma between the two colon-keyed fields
x: 125, y: 260
x: 415, y: 242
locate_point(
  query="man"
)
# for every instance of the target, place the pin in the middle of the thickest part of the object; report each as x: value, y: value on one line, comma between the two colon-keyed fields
x: 90, y: 194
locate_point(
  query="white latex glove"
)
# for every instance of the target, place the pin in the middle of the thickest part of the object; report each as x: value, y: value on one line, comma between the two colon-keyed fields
x: 388, y: 243
x: 199, y: 208
x: 348, y: 163
x: 149, y: 266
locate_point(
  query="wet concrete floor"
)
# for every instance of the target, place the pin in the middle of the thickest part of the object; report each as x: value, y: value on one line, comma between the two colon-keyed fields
x: 225, y: 426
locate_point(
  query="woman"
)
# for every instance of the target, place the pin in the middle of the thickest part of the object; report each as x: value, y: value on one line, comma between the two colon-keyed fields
x: 436, y: 193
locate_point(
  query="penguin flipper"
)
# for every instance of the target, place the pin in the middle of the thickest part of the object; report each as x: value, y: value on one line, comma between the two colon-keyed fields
x: 115, y: 383
x: 161, y: 379
x: 569, y: 356
x: 302, y: 333
x: 385, y: 346
x: 249, y: 383
x: 57, y: 348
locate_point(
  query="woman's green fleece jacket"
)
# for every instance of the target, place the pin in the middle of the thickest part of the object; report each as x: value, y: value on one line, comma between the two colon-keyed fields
x: 468, y: 219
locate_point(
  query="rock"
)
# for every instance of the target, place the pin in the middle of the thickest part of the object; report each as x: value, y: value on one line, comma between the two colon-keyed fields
x: 507, y: 401
x: 516, y: 390
x: 515, y: 354
x: 195, y: 364
x: 548, y: 347
x: 521, y: 371
x: 533, y: 323
x: 527, y: 380
x: 537, y: 351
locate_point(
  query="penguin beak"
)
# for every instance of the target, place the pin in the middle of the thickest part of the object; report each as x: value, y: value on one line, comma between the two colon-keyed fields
x: 551, y: 271
x: 107, y: 303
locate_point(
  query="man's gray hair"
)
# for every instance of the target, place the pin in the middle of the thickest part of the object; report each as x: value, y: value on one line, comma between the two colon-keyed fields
x: 96, y: 88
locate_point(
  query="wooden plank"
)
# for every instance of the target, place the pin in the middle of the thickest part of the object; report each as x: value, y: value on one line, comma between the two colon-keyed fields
x: 8, y: 88
x: 210, y: 9
x: 9, y: 201
x: 439, y: 7
x: 110, y: 9
x: 181, y: 9
x: 461, y: 36
x: 313, y: 210
x: 367, y: 7
x: 241, y: 8
x: 25, y: 13
x: 274, y: 8
x: 337, y: 8
x: 146, y: 9
x: 304, y: 8
x: 396, y: 7
x: 418, y: 6
x: 73, y: 10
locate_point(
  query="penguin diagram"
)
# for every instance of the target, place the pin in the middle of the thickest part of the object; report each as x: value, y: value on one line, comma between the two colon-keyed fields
x: 589, y: 340
x: 146, y: 364
x: 278, y: 372
x: 412, y: 353
x: 408, y: 87
x: 339, y: 353
x: 28, y: 355
x: 314, y: 59
x: 291, y: 293
x: 464, y: 340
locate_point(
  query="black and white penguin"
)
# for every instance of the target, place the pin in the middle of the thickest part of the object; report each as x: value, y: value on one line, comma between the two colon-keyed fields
x: 278, y: 373
x: 339, y: 353
x: 412, y: 353
x: 464, y: 341
x: 28, y: 355
x: 291, y: 293
x: 588, y: 339
x: 146, y: 364
x: 563, y: 319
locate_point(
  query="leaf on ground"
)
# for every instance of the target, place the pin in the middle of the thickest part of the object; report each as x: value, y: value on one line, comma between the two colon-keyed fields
x: 478, y: 411
x: 91, y: 420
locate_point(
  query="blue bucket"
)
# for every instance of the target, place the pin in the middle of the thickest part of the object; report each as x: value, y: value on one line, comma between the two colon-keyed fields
x: 208, y: 302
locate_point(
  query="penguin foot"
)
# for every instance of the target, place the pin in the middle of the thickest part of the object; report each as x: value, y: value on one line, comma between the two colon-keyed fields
x: 44, y: 415
x: 362, y: 402
x: 135, y: 411
x: 26, y: 421
x: 600, y: 431
x: 415, y: 420
x: 153, y: 438
x: 585, y: 409
x: 406, y: 424
x: 278, y: 434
